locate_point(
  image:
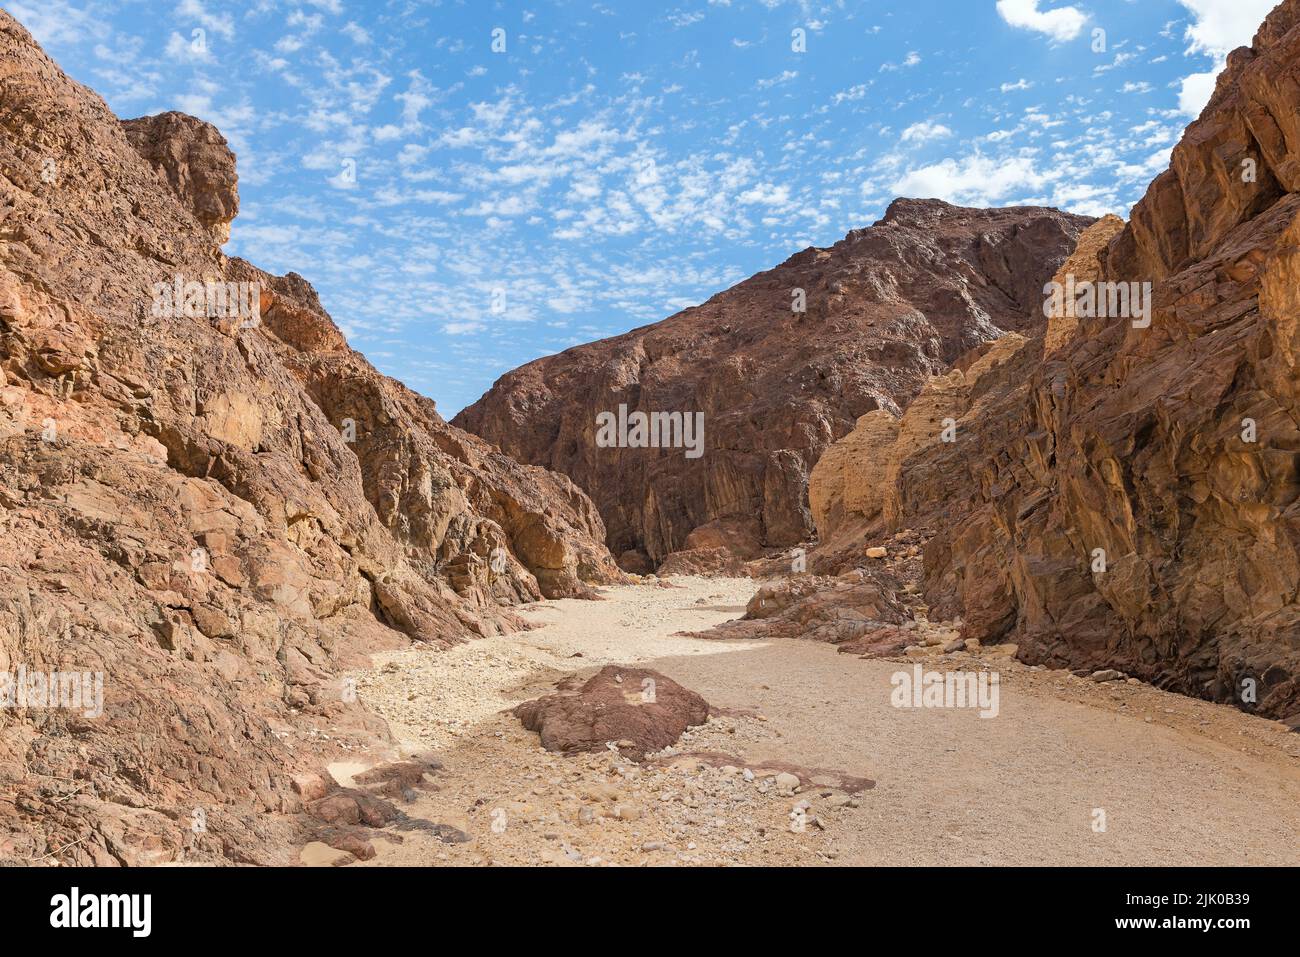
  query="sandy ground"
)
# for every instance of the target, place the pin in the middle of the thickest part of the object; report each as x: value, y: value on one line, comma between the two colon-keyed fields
x: 1068, y: 772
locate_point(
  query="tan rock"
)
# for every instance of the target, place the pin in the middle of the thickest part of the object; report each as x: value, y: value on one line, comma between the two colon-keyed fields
x: 1083, y: 266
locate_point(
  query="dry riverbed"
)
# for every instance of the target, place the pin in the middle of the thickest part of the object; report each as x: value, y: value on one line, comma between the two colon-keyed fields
x: 1172, y: 780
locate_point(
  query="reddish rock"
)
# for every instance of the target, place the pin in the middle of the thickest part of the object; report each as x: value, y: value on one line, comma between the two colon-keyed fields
x: 887, y: 308
x: 879, y: 642
x: 641, y: 711
x: 353, y: 840
x: 716, y: 561
x: 183, y: 510
x: 351, y: 806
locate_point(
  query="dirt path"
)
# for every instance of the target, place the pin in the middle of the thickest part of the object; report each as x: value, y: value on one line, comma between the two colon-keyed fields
x: 1179, y: 781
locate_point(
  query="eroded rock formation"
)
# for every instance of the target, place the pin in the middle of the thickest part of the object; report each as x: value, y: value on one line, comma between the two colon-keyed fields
x: 886, y: 308
x: 217, y: 513
x: 1131, y: 500
x: 194, y: 159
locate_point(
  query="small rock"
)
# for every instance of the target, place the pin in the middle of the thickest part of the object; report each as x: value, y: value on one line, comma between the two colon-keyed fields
x: 786, y: 783
x: 1106, y: 674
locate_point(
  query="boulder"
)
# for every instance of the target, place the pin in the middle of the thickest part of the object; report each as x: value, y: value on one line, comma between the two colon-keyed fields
x: 636, y: 710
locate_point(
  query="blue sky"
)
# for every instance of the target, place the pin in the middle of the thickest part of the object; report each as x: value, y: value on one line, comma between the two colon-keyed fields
x: 462, y: 211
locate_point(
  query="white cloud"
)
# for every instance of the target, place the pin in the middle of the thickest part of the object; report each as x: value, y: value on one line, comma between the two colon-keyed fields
x: 765, y: 194
x: 1217, y: 28
x: 975, y: 180
x: 1196, y: 91
x: 357, y: 33
x: 179, y: 49
x: 1220, y: 26
x: 195, y: 11
x: 925, y: 131
x: 1061, y: 24
x: 54, y: 21
x: 911, y: 60
x: 851, y: 94
x: 462, y: 328
x: 785, y: 76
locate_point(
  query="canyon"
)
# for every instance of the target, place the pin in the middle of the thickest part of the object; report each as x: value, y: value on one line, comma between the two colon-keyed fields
x: 327, y: 627
x: 883, y: 311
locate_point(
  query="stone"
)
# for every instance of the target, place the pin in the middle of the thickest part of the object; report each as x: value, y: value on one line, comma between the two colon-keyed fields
x: 193, y: 159
x: 309, y: 787
x: 1083, y: 266
x: 645, y: 708
x: 1106, y: 674
x: 627, y: 812
x: 786, y: 783
x: 840, y: 609
x: 1166, y: 443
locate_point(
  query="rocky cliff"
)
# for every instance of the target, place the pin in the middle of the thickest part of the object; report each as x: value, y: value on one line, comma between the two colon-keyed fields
x: 780, y: 366
x: 209, y: 501
x: 1132, y: 499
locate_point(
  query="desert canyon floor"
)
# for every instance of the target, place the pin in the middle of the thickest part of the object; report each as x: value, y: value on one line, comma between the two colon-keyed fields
x: 1180, y: 781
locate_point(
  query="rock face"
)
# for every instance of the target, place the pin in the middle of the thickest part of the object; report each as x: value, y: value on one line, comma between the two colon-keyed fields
x: 1084, y: 265
x: 888, y: 472
x: 217, y: 510
x: 192, y: 156
x: 638, y: 710
x: 886, y: 308
x: 1133, y: 503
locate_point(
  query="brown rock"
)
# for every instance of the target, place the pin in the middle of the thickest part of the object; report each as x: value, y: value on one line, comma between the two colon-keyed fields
x: 643, y: 712
x: 1083, y: 266
x: 857, y: 487
x: 717, y: 561
x: 887, y: 308
x: 193, y: 158
x: 197, y: 528
x: 1171, y: 447
x: 856, y: 606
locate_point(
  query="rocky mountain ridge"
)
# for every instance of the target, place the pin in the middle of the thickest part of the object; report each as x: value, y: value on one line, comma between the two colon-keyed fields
x: 780, y: 365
